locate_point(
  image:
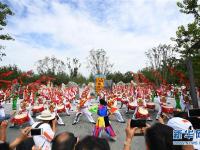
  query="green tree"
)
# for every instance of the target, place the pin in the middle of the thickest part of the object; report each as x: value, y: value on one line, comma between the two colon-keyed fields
x: 90, y: 78
x: 116, y: 76
x: 127, y: 77
x: 188, y: 39
x: 79, y: 79
x: 147, y: 72
x: 159, y: 58
x: 5, y: 11
x: 60, y: 78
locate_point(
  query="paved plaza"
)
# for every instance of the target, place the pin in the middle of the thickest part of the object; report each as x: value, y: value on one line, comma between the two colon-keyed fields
x: 85, y: 128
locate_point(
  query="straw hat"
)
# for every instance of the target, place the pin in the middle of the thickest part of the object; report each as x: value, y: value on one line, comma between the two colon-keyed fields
x: 46, y: 115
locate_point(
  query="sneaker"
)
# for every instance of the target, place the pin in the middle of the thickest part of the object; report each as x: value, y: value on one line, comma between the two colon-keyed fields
x: 133, y: 117
x: 113, y: 139
x: 157, y: 117
x: 12, y: 126
x: 122, y: 121
x: 74, y: 123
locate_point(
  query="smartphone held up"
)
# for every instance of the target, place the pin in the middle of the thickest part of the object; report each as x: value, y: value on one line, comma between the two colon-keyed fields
x: 36, y: 131
x: 140, y: 123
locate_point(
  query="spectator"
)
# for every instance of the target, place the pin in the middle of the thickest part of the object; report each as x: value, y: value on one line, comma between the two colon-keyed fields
x: 48, y: 125
x: 64, y: 141
x: 157, y: 137
x: 129, y: 135
x: 3, y: 115
x: 23, y: 136
x: 3, y: 128
x: 178, y: 123
x: 3, y: 144
x: 92, y: 143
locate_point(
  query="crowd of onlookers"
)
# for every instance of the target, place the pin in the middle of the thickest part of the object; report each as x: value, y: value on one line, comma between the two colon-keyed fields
x: 158, y: 136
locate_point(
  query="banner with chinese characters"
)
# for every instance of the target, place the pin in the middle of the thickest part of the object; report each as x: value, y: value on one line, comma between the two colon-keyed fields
x: 99, y: 82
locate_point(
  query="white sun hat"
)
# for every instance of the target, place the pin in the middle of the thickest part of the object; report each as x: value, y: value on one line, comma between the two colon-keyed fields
x: 46, y: 115
x: 178, y: 123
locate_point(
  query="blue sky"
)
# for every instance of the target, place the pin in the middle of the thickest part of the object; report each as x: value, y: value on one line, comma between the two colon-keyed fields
x: 63, y: 28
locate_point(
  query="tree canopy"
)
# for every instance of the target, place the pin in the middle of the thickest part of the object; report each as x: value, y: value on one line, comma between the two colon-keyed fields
x: 5, y: 11
x: 98, y: 62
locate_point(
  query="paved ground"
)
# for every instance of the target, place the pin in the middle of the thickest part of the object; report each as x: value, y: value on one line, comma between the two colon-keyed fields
x: 85, y: 128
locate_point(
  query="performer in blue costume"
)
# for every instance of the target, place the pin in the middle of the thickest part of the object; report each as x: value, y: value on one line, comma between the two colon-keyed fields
x: 103, y: 121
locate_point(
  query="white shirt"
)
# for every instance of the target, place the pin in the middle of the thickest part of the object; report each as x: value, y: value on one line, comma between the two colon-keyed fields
x: 157, y: 99
x: 2, y: 111
x: 45, y: 139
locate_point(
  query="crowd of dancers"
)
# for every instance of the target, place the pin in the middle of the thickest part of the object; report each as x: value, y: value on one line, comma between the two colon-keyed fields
x: 136, y: 99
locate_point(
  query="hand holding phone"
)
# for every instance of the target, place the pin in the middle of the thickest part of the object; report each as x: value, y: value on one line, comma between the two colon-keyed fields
x: 25, y: 133
x: 139, y: 124
x: 130, y: 131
